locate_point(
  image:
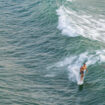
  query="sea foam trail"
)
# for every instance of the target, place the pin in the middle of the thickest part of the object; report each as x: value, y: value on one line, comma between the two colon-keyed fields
x: 73, y: 63
x: 74, y: 23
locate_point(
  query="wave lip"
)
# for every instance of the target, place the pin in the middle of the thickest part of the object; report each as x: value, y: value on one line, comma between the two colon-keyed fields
x: 64, y: 24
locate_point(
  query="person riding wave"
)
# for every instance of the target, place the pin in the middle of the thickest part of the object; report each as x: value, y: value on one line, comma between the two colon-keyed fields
x: 82, y: 70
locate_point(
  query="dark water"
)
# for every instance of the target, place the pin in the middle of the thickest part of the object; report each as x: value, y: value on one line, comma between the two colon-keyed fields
x: 43, y: 43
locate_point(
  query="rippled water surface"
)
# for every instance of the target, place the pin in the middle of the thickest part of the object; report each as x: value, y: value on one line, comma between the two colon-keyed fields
x: 43, y: 43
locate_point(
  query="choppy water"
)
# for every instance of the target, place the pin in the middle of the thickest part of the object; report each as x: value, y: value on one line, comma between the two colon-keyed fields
x: 43, y: 43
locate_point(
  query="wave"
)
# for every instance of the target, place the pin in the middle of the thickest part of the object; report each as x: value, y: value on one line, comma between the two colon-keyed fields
x: 73, y: 24
x: 73, y: 63
x: 64, y: 23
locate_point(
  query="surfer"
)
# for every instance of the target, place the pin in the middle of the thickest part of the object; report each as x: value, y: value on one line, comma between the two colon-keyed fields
x: 82, y: 70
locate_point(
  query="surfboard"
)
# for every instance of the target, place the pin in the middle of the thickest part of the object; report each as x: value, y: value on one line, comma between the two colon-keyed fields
x: 81, y: 82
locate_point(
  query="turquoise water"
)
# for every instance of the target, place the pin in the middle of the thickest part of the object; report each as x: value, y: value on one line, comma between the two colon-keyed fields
x: 43, y: 43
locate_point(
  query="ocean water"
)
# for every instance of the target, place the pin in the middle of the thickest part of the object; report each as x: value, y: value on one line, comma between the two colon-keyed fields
x: 43, y: 44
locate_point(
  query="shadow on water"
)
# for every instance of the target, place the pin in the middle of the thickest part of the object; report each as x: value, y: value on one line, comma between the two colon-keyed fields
x: 80, y: 87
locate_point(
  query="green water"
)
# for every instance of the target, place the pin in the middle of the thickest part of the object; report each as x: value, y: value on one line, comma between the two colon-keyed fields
x: 43, y: 43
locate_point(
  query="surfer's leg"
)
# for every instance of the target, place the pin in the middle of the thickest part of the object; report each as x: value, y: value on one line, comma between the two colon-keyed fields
x: 82, y: 75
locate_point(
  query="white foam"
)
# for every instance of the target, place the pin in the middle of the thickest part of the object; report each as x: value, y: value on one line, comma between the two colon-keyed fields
x: 74, y: 63
x: 70, y: 0
x: 74, y: 23
x: 50, y: 75
x: 64, y: 24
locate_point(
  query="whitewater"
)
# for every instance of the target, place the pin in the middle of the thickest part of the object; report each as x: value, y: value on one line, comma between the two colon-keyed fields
x: 78, y: 23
